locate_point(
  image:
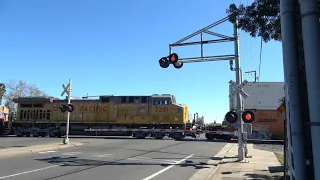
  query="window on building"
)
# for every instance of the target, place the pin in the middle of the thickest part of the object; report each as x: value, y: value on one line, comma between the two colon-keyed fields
x: 131, y: 99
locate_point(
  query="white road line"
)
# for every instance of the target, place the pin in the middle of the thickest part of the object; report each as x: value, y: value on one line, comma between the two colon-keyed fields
x: 169, y: 160
x: 167, y: 168
x: 152, y: 160
x: 45, y: 152
x: 27, y: 172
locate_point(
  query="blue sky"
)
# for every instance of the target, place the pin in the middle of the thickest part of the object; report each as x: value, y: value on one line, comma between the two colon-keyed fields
x: 113, y: 47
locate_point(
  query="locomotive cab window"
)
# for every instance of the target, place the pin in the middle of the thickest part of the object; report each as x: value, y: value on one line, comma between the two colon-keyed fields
x: 123, y: 99
x: 160, y: 101
x: 131, y: 99
x: 143, y: 99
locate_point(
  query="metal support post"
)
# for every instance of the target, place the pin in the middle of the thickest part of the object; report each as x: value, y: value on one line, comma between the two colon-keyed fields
x: 66, y: 140
x: 311, y: 43
x: 241, y: 153
x: 292, y: 87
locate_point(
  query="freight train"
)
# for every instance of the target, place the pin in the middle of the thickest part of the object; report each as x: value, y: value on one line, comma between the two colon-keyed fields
x: 41, y: 116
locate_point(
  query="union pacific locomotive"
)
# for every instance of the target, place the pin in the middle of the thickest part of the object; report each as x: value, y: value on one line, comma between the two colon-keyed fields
x: 41, y: 116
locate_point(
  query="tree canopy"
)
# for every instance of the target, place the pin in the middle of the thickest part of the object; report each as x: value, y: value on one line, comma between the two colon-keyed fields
x: 260, y: 19
x: 19, y: 89
x: 2, y: 91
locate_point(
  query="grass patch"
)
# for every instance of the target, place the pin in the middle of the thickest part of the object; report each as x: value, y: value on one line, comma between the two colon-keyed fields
x: 280, y: 157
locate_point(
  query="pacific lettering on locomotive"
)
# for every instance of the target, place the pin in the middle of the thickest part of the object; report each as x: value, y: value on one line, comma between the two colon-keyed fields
x: 153, y: 111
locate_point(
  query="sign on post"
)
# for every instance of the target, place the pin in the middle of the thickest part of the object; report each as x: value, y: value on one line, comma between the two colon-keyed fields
x: 65, y: 89
x: 238, y: 89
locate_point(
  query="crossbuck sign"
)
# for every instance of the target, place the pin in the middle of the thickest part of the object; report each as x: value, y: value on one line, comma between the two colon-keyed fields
x: 66, y: 89
x: 238, y: 89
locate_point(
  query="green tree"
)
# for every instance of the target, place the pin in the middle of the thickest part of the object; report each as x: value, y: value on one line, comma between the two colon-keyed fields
x: 2, y: 91
x: 260, y: 19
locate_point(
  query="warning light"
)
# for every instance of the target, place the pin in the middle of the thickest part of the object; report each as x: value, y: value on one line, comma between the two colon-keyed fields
x: 247, y: 116
x: 178, y: 64
x: 63, y: 108
x: 173, y: 58
x: 164, y: 63
x: 231, y: 117
x: 70, y: 107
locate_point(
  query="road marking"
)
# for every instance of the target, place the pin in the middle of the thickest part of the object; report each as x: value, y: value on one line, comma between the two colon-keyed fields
x: 27, y: 172
x: 167, y: 168
x: 45, y: 152
x: 146, y: 159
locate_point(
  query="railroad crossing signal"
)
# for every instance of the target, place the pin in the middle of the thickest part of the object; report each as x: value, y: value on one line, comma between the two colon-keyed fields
x: 66, y: 89
x: 173, y: 58
x: 247, y: 116
x: 68, y: 107
x: 232, y: 117
x: 238, y: 88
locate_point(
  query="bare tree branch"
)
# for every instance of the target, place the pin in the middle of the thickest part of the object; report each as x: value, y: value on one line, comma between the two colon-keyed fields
x: 20, y: 89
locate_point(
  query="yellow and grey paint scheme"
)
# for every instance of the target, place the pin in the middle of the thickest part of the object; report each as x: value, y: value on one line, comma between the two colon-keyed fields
x: 41, y: 116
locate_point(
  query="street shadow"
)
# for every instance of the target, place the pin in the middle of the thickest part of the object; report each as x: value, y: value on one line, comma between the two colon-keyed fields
x: 265, y: 176
x: 7, y: 147
x: 274, y: 173
x: 75, y: 161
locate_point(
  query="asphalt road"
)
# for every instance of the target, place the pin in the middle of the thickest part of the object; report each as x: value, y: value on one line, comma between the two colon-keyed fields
x: 113, y: 159
x: 16, y: 142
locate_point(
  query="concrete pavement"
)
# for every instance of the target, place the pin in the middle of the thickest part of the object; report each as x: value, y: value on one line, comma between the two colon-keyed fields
x: 113, y: 159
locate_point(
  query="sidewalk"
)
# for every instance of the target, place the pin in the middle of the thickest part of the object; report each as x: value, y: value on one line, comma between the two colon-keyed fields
x: 259, y: 165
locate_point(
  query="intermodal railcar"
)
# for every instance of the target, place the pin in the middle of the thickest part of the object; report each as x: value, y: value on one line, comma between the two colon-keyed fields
x: 41, y: 116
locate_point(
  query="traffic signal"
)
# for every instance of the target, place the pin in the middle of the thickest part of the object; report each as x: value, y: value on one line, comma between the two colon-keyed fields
x: 171, y: 59
x: 64, y: 108
x: 70, y: 108
x: 247, y: 116
x: 231, y: 117
x: 164, y: 62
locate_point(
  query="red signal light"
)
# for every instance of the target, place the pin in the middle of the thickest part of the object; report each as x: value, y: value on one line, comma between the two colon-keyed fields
x: 248, y: 117
x: 173, y: 58
x: 70, y: 108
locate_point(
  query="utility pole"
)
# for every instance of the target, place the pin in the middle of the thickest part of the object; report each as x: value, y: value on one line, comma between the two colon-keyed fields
x: 290, y: 49
x: 255, y: 75
x: 311, y: 36
x: 241, y: 153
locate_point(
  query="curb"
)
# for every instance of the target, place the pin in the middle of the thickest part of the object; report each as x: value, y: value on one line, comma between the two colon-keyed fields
x: 212, y: 164
x: 36, y: 148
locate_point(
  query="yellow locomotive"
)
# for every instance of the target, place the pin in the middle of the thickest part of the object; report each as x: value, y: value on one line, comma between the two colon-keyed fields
x: 41, y: 116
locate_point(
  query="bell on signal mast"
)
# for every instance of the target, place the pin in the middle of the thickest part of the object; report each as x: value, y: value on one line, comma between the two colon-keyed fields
x: 247, y: 116
x: 231, y: 117
x: 164, y: 63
